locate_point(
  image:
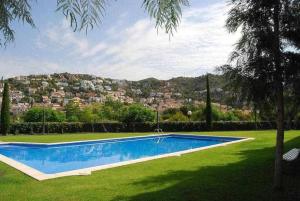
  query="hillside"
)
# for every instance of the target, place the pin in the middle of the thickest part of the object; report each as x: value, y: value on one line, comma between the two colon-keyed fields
x: 58, y: 89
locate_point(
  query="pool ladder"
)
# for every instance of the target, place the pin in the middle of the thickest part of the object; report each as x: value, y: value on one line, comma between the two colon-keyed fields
x: 159, y: 131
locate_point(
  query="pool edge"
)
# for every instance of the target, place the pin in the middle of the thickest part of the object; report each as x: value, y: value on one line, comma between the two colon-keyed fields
x: 107, y: 139
x: 34, y: 173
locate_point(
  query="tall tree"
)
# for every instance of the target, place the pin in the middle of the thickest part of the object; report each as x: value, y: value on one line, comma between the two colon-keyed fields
x: 38, y: 114
x: 5, y: 115
x: 72, y: 111
x: 208, y: 109
x: 85, y: 14
x: 267, y: 56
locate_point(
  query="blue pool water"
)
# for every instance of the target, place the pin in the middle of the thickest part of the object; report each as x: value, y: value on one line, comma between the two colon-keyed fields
x: 72, y: 156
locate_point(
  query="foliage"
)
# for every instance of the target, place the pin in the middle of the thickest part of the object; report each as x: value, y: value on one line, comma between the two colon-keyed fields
x: 167, y: 13
x: 242, y: 116
x: 5, y: 107
x: 137, y: 113
x: 89, y: 114
x: 146, y: 86
x: 186, y: 108
x: 36, y: 115
x: 82, y: 14
x: 85, y: 14
x: 111, y: 110
x: 218, y: 115
x: 208, y: 109
x: 117, y: 111
x: 178, y: 116
x: 167, y: 126
x: 292, y: 106
x: 168, y: 113
x: 10, y: 11
x: 254, y: 75
x: 266, y: 58
x: 194, y: 88
x: 72, y: 111
x: 199, y: 114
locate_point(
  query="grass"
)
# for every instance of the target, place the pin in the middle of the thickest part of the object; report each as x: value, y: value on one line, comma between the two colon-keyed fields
x: 242, y: 171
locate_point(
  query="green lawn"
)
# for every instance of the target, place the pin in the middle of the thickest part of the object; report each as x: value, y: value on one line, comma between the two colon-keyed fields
x: 237, y: 172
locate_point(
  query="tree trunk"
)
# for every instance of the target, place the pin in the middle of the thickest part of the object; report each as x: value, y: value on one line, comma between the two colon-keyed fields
x: 278, y: 174
x: 255, y: 117
x: 278, y: 171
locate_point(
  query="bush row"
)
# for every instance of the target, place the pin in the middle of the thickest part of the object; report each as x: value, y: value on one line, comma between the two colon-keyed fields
x: 37, y: 128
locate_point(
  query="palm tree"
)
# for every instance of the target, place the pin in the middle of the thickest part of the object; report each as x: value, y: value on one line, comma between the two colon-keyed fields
x: 85, y: 14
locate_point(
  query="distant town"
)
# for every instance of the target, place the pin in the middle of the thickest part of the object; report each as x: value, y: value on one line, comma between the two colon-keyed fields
x: 56, y: 90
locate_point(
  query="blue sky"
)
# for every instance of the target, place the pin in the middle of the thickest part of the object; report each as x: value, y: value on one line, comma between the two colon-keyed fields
x: 125, y: 46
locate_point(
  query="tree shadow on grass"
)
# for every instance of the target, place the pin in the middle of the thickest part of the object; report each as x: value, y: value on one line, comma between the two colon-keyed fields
x: 246, y: 180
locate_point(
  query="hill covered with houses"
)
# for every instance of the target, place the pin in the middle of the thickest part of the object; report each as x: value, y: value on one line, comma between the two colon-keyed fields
x: 56, y: 90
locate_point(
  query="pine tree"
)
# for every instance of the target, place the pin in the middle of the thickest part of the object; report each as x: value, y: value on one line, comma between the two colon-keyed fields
x: 208, y: 110
x: 264, y: 61
x: 5, y: 116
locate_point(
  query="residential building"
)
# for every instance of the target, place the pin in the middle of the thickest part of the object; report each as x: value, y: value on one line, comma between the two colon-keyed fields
x: 58, y: 96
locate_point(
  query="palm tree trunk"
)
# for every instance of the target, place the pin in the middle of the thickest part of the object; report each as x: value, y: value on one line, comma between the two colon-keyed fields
x: 278, y: 172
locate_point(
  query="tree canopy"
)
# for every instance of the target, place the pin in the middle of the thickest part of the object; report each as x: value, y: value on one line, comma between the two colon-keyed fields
x: 266, y: 59
x: 254, y: 73
x: 36, y: 115
x: 137, y: 113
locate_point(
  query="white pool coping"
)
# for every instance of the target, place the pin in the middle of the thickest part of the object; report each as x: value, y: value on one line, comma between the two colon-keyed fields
x: 40, y: 176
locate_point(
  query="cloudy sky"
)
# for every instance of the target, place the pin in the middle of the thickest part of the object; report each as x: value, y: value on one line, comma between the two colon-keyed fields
x: 125, y: 46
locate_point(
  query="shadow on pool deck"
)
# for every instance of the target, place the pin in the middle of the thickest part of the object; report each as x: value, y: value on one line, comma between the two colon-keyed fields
x: 246, y: 180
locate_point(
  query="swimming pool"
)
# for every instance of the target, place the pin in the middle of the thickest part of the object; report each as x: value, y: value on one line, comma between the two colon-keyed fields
x: 46, y: 161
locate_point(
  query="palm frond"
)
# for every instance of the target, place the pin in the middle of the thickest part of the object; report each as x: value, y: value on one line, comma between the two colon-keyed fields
x: 166, y: 13
x: 13, y: 10
x: 85, y: 14
x: 82, y: 14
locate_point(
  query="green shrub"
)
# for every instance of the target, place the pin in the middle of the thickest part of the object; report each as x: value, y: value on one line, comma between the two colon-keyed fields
x: 73, y: 127
x: 229, y: 116
x: 36, y: 115
x: 137, y: 113
x: 242, y: 116
x: 178, y: 116
x: 166, y: 114
x: 89, y: 115
x: 111, y: 110
x: 72, y: 111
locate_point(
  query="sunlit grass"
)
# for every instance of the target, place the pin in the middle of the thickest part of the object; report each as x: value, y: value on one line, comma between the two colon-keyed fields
x: 241, y: 171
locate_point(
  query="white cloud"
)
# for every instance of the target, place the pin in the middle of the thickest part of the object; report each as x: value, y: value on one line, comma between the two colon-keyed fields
x: 200, y: 44
x: 62, y: 37
x: 94, y: 50
x: 138, y: 51
x: 25, y: 66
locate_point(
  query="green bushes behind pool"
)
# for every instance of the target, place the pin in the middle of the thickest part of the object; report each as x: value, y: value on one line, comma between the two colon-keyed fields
x: 75, y: 127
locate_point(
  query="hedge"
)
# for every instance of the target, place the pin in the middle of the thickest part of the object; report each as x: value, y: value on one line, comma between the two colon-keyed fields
x: 37, y: 128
